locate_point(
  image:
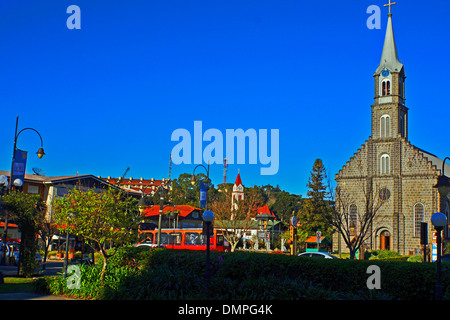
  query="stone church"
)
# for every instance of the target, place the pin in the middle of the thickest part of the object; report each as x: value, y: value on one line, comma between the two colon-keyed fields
x: 400, y: 174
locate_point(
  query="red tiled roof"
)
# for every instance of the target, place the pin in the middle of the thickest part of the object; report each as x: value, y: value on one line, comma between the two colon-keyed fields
x: 148, y: 185
x: 184, y: 210
x: 265, y: 209
x: 313, y: 239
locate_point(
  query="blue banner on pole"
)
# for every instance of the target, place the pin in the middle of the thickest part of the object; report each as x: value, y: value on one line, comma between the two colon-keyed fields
x: 20, y: 163
x: 203, y: 195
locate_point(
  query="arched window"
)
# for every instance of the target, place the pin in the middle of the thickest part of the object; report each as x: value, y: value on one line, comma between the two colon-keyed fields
x: 385, y: 126
x: 386, y: 87
x: 353, y: 216
x: 385, y: 164
x: 418, y: 218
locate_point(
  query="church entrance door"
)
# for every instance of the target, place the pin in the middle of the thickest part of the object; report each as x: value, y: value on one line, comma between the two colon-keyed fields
x: 385, y: 240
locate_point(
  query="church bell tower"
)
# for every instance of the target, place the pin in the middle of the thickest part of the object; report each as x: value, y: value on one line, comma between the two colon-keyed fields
x: 389, y: 112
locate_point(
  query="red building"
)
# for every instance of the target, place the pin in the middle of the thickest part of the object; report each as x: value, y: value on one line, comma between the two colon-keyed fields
x: 178, y: 216
x: 147, y: 186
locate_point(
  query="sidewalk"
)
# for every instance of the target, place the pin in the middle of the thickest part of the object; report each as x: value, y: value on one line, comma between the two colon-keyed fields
x: 52, y: 268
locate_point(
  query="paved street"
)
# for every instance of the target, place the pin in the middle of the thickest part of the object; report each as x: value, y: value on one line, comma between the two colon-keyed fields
x: 52, y: 268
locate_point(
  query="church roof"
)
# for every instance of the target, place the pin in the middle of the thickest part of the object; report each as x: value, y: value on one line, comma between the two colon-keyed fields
x: 436, y: 161
x: 238, y: 180
x: 389, y: 57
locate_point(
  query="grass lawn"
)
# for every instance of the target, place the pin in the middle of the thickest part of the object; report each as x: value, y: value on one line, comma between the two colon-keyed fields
x: 17, y: 284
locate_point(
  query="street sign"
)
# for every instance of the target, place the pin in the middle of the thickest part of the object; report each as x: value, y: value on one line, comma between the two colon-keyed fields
x: 318, y: 236
x: 203, y: 190
x: 293, y: 221
x: 267, y: 236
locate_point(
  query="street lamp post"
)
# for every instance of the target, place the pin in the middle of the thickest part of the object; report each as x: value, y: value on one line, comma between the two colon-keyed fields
x: 439, y: 221
x: 208, y: 217
x: 161, y: 208
x: 3, y: 190
x: 18, y: 183
x: 443, y: 186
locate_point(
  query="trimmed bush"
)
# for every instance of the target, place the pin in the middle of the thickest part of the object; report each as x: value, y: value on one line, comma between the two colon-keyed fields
x: 143, y: 273
x: 415, y: 258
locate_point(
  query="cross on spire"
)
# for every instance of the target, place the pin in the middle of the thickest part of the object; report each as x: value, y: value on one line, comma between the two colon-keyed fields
x: 389, y: 5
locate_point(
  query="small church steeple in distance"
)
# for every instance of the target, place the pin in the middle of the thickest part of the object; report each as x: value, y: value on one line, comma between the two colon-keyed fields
x: 238, y: 192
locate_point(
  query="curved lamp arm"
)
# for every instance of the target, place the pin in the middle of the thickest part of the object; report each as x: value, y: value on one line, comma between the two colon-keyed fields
x: 40, y: 152
x: 443, y: 165
x: 193, y: 173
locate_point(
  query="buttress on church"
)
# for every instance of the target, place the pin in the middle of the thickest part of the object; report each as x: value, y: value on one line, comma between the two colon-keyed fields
x: 401, y: 174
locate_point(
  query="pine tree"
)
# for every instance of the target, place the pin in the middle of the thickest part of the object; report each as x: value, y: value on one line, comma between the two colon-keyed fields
x: 317, y: 189
x: 316, y: 213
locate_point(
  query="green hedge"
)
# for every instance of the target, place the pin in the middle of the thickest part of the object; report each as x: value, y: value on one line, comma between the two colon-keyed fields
x: 142, y: 273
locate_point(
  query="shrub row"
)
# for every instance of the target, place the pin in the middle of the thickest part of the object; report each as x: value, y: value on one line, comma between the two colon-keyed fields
x: 142, y: 273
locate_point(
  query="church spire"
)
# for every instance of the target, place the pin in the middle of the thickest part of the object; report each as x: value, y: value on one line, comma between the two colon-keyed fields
x: 389, y: 57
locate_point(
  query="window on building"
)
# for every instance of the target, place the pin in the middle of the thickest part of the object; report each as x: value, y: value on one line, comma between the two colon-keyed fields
x: 385, y: 164
x: 386, y: 88
x: 418, y: 218
x: 193, y: 238
x: 384, y: 194
x: 175, y: 238
x: 33, y: 189
x: 353, y: 216
x: 61, y: 192
x: 164, y: 238
x: 385, y: 126
x: 402, y: 126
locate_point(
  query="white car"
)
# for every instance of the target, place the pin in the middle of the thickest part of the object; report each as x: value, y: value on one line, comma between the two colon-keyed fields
x: 322, y: 255
x: 146, y: 245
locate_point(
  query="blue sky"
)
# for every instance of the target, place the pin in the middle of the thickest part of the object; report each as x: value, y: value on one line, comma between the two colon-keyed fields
x: 108, y: 96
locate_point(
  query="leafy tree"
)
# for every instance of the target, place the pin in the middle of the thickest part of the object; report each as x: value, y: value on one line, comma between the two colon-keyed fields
x: 26, y: 210
x: 285, y: 204
x: 316, y: 213
x: 234, y: 223
x: 100, y: 218
x: 183, y: 192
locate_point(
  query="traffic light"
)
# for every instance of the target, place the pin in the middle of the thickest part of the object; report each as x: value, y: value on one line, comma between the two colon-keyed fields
x: 423, y: 233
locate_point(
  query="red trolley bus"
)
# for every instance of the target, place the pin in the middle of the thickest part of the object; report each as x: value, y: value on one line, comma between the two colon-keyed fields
x: 191, y: 239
